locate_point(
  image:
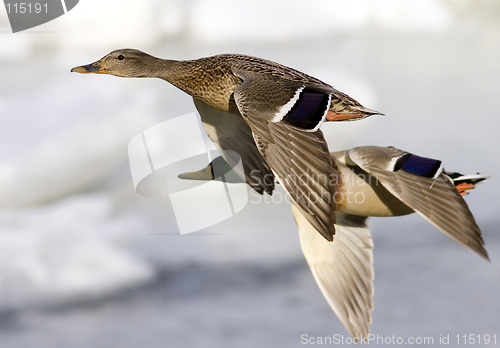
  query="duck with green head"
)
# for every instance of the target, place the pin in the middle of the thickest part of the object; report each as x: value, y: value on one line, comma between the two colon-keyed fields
x: 375, y: 181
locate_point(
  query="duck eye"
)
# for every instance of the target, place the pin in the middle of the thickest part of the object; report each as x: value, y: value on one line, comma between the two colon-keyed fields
x: 120, y: 57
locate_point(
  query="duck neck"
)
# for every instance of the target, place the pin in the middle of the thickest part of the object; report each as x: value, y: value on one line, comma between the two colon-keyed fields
x: 166, y: 69
x: 202, y: 79
x: 181, y: 74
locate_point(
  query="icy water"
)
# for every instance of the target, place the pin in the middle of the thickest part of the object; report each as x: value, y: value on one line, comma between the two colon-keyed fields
x: 85, y: 262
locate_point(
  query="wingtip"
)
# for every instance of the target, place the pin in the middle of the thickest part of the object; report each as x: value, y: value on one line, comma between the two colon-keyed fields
x: 328, y: 234
x: 485, y: 256
x: 479, y: 248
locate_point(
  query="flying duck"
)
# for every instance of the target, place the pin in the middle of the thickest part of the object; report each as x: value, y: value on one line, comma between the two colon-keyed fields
x: 374, y: 181
x: 266, y: 112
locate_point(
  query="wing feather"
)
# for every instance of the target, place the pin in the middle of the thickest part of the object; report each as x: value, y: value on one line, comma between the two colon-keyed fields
x: 298, y: 157
x: 230, y: 132
x: 342, y: 269
x: 437, y: 200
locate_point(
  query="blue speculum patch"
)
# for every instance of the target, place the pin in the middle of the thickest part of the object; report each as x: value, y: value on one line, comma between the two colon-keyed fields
x: 417, y: 165
x: 309, y: 110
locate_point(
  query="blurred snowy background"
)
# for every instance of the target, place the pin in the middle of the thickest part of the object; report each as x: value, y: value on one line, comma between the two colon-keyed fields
x: 86, y: 262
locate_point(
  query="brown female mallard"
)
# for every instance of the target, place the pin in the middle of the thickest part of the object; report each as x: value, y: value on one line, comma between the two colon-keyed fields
x: 266, y: 112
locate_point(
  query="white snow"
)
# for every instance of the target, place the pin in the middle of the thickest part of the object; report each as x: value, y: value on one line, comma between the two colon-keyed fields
x: 127, y: 23
x: 55, y: 142
x: 66, y: 251
x: 62, y: 135
x: 226, y: 20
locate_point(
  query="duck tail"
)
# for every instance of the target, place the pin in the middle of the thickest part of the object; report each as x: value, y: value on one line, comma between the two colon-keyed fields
x: 463, y: 183
x: 345, y: 108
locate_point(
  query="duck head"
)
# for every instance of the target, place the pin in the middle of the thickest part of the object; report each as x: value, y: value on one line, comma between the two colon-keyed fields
x: 122, y: 63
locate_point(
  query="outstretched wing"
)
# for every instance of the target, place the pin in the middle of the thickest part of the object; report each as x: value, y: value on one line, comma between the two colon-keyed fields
x: 421, y: 184
x: 230, y: 132
x: 342, y: 269
x: 284, y: 117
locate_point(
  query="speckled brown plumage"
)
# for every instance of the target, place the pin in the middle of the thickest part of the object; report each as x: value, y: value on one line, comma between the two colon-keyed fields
x: 283, y: 109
